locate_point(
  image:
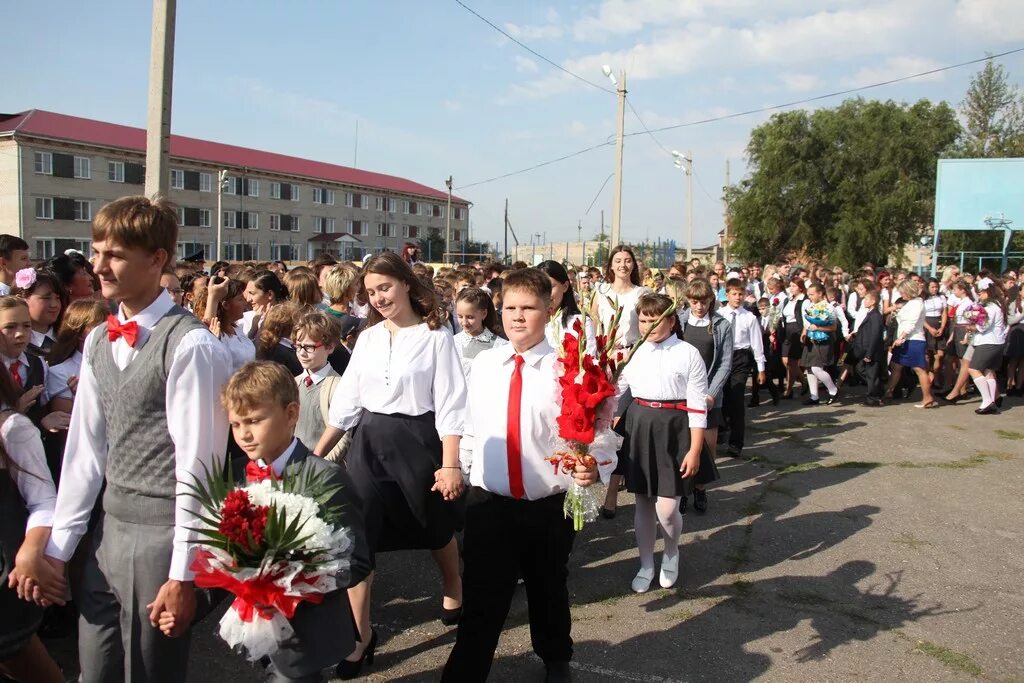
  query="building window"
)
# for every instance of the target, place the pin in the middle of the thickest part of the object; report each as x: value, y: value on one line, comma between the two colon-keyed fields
x: 275, y: 218
x: 44, y: 163
x: 413, y: 231
x: 405, y: 206
x: 44, y: 208
x: 229, y: 219
x: 295, y: 221
x: 348, y: 199
x: 318, y: 195
x: 358, y: 227
x: 329, y: 197
x: 177, y: 179
x: 378, y: 203
x: 323, y: 224
x: 275, y: 193
x: 252, y: 220
x: 48, y: 248
x: 205, y: 218
x: 295, y: 193
x: 254, y: 188
x: 386, y: 229
x: 115, y: 171
x: 205, y: 182
x: 229, y: 186
x: 83, y: 210
x: 83, y: 167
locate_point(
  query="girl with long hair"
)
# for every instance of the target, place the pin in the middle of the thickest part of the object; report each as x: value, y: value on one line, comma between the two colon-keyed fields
x: 46, y: 297
x: 1015, y: 345
x: 406, y: 392
x: 66, y: 355
x: 303, y: 287
x: 565, y: 311
x: 262, y: 292
x: 621, y: 288
x: 791, y: 322
x: 221, y: 306
x: 988, y: 344
x: 275, y: 336
x: 481, y: 329
x: 935, y: 327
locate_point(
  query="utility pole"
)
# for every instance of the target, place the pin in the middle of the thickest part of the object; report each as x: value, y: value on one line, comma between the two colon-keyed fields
x: 222, y: 178
x: 448, y: 223
x: 158, y: 118
x: 725, y: 200
x: 620, y: 90
x: 506, y: 259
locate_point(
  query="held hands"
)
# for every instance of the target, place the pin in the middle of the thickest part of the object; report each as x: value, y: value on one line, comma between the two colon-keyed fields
x: 29, y: 398
x: 174, y: 608
x: 448, y: 482
x: 36, y: 577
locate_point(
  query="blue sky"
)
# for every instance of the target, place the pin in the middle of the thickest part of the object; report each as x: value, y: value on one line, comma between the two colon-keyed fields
x: 438, y: 92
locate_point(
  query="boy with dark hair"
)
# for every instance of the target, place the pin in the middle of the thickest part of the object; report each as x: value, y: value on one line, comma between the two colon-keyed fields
x: 868, y: 348
x: 13, y: 257
x: 515, y: 526
x: 147, y: 418
x: 747, y: 353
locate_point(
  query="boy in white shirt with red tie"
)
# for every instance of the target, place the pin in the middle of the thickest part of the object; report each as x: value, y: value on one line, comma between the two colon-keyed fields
x: 515, y: 526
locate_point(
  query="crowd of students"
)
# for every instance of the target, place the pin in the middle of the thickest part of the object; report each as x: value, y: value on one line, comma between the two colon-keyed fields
x: 431, y: 398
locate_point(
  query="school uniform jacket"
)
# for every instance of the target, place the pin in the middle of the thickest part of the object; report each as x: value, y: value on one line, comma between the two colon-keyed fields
x: 868, y: 342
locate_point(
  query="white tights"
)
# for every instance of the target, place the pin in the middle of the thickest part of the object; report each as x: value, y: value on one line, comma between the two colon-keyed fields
x: 814, y: 375
x: 649, y: 512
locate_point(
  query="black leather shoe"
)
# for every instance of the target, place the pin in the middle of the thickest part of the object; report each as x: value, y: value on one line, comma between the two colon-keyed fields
x: 682, y: 505
x: 700, y: 500
x: 832, y: 399
x: 557, y: 672
x: 347, y: 670
x: 999, y: 402
x: 607, y: 513
x: 733, y: 452
x: 990, y: 409
x: 450, y: 617
x: 810, y: 401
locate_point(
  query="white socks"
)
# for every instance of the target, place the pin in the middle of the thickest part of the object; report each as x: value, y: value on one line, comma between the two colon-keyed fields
x: 985, y: 390
x: 826, y: 379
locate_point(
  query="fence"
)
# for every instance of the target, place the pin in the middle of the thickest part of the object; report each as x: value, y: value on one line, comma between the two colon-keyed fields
x: 973, y: 261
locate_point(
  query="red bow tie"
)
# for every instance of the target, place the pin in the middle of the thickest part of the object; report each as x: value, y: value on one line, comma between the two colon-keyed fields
x: 254, y: 472
x: 129, y: 330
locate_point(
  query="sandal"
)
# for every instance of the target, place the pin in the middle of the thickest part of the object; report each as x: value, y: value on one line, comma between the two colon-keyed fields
x: 926, y: 406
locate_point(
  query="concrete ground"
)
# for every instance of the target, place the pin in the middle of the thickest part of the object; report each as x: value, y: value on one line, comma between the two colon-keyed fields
x: 848, y: 543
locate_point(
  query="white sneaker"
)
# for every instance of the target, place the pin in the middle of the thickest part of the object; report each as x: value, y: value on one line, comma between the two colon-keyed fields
x: 642, y: 580
x: 669, y: 570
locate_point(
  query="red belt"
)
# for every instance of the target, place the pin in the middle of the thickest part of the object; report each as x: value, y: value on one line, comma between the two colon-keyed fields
x: 669, y: 405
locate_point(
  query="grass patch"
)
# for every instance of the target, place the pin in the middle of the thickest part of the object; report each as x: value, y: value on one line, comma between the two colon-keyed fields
x: 610, y: 600
x: 1010, y: 436
x: 957, y: 661
x: 680, y: 615
x: 797, y: 467
x: 742, y: 586
x: 911, y: 541
x: 856, y: 465
x: 976, y: 460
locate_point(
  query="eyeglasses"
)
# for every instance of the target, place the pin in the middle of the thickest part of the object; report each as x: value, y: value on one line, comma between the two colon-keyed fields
x: 175, y: 291
x: 307, y: 348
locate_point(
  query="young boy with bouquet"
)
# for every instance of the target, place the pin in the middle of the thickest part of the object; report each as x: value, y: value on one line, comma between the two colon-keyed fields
x: 515, y: 524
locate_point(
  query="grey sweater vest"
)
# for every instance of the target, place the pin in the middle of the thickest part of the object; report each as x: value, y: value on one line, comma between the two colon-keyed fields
x: 140, y: 454
x: 311, y: 423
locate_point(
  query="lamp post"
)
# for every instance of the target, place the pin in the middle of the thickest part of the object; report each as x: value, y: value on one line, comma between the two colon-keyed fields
x: 684, y: 162
x: 448, y: 222
x: 222, y: 180
x: 620, y: 91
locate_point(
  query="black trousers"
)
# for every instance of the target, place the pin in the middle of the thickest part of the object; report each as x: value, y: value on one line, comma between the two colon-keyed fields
x: 873, y: 374
x: 733, y: 406
x: 506, y: 539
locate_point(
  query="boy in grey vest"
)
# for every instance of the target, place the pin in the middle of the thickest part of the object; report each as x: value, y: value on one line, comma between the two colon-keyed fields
x: 315, y: 337
x: 147, y: 419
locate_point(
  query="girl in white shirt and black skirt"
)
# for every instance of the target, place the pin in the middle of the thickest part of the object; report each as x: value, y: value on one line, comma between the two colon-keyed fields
x: 664, y: 445
x: 793, y: 325
x: 404, y: 395
x: 988, y: 342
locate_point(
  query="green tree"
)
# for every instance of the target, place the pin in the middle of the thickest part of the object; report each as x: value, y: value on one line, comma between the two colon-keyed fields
x: 851, y: 184
x: 993, y: 115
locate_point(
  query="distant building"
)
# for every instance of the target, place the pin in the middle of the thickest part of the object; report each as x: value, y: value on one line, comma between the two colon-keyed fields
x: 57, y: 171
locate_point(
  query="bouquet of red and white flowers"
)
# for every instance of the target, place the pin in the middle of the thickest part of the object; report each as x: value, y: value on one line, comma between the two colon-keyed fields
x: 588, y: 389
x: 273, y: 544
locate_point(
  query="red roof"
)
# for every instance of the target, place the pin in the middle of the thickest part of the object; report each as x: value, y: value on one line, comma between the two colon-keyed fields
x: 48, y: 124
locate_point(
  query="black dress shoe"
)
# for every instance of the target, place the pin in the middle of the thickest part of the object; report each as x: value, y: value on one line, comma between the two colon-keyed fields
x: 450, y: 617
x: 700, y: 500
x: 607, y: 513
x: 999, y: 402
x: 682, y: 505
x: 557, y: 672
x: 347, y: 670
x: 832, y: 399
x: 733, y: 452
x: 990, y: 409
x: 810, y: 401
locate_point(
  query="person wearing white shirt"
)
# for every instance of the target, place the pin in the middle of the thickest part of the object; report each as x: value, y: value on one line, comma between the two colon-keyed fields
x: 664, y: 447
x: 479, y: 321
x: 153, y: 355
x: 27, y: 498
x: 935, y: 326
x: 792, y: 320
x: 989, y: 340
x: 515, y: 526
x: 222, y: 310
x: 747, y: 353
x: 909, y: 345
x: 621, y: 289
x: 405, y: 389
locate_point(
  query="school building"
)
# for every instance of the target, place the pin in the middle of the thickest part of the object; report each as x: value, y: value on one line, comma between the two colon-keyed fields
x: 57, y: 171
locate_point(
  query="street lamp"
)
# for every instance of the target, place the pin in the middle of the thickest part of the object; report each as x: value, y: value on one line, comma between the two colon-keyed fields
x: 684, y: 162
x: 222, y: 183
x: 620, y: 91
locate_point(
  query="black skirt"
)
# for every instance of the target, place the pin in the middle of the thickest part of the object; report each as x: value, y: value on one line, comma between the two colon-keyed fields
x: 1015, y: 342
x: 392, y: 461
x: 934, y: 343
x: 987, y: 357
x: 791, y: 346
x: 960, y: 341
x: 656, y: 441
x: 818, y: 354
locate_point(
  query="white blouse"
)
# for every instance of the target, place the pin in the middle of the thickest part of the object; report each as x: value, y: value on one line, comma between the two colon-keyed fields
x: 555, y: 331
x: 57, y: 379
x: 910, y: 320
x: 994, y: 330
x: 671, y: 370
x: 25, y: 449
x: 629, y: 325
x: 416, y: 371
x: 469, y: 346
x: 789, y: 309
x: 240, y: 347
x: 934, y: 306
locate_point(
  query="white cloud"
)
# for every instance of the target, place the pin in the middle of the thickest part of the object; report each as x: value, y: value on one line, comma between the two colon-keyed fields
x: 525, y: 64
x: 895, y: 67
x: 799, y: 82
x: 529, y: 33
x: 452, y: 105
x: 577, y: 129
x: 1001, y: 20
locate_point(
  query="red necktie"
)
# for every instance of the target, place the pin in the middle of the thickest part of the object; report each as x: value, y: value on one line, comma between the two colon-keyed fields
x: 15, y: 375
x: 254, y: 472
x: 308, y: 381
x: 512, y: 436
x: 129, y: 330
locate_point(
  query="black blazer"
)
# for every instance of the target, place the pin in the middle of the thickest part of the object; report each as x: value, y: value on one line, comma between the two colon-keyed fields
x: 868, y: 342
x: 324, y: 633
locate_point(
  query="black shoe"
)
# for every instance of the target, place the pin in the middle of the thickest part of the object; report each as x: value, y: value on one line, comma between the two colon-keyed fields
x: 804, y: 390
x: 700, y: 500
x: 347, y: 670
x: 999, y: 402
x: 682, y: 505
x: 872, y: 402
x: 787, y: 395
x: 607, y: 513
x: 733, y: 451
x: 557, y: 672
x: 810, y: 401
x: 990, y: 409
x: 775, y: 399
x: 754, y: 402
x: 450, y: 617
x: 832, y: 399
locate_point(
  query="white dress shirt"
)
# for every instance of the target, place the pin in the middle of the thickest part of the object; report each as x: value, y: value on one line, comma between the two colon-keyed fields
x: 317, y: 375
x: 416, y: 371
x: 842, y: 323
x: 910, y: 320
x: 25, y: 449
x: 934, y: 306
x: 746, y: 333
x: 789, y: 310
x: 483, y: 450
x: 5, y: 289
x: 39, y: 337
x: 240, y: 348
x: 629, y: 323
x: 281, y: 461
x: 44, y: 397
x: 57, y: 379
x: 994, y: 329
x: 670, y: 370
x: 555, y: 331
x: 858, y: 318
x: 195, y: 419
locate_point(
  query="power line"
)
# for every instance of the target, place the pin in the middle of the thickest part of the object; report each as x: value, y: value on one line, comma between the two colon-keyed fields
x: 530, y: 49
x: 837, y: 93
x: 610, y: 176
x: 646, y: 129
x: 535, y: 166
